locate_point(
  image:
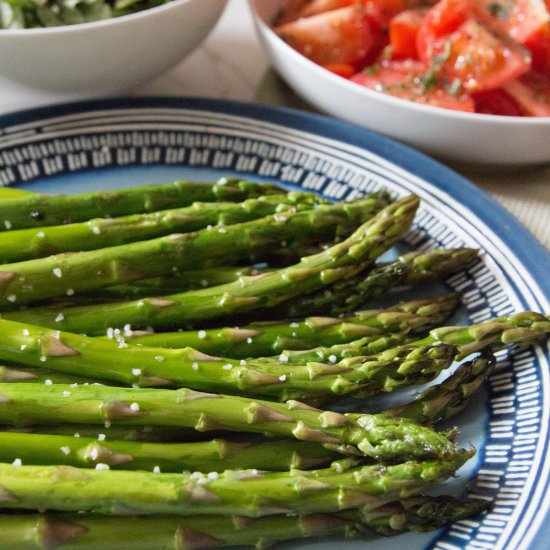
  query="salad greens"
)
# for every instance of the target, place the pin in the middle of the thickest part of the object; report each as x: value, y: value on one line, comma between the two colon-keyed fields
x: 26, y: 14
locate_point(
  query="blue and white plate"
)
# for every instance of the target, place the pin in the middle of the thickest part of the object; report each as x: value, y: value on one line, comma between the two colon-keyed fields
x: 114, y: 143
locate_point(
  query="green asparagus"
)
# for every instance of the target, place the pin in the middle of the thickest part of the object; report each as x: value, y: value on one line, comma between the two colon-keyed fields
x: 375, y: 436
x: 245, y: 492
x: 37, y: 210
x: 259, y: 339
x: 524, y: 328
x: 144, y: 366
x: 27, y: 244
x: 95, y: 532
x: 343, y: 297
x: 206, y: 456
x: 62, y: 274
x: 445, y: 400
x: 340, y: 261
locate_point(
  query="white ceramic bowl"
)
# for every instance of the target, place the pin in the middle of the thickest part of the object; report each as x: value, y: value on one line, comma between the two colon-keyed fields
x: 449, y: 135
x: 109, y: 56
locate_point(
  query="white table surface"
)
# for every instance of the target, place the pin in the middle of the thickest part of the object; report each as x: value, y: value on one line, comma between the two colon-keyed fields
x: 231, y: 64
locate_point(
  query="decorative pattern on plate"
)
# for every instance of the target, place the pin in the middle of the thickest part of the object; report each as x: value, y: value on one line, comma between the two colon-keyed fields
x: 109, y: 144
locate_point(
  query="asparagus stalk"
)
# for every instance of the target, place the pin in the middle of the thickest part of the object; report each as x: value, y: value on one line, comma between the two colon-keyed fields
x: 413, y: 268
x: 139, y: 365
x: 215, y: 455
x: 524, y: 328
x: 37, y: 210
x: 95, y: 532
x: 151, y: 434
x: 12, y: 192
x: 62, y: 274
x: 375, y: 436
x: 340, y: 261
x: 266, y: 338
x: 27, y: 244
x: 409, y: 269
x: 445, y: 400
x: 249, y: 493
x: 42, y: 376
x: 436, y: 310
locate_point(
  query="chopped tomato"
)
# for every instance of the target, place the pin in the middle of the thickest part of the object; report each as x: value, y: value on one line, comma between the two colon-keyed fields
x: 341, y: 70
x: 496, y: 102
x: 335, y: 37
x: 532, y: 94
x: 315, y: 7
x: 442, y: 19
x: 403, y: 32
x: 291, y: 11
x: 527, y: 22
x: 478, y: 57
x: 410, y: 80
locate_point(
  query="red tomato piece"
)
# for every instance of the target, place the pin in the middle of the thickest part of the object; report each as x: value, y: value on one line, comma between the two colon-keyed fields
x: 291, y: 11
x: 532, y: 94
x: 527, y: 22
x: 496, y: 102
x: 315, y: 7
x: 410, y: 80
x: 442, y: 19
x: 341, y: 70
x: 334, y: 37
x: 403, y: 32
x: 479, y: 58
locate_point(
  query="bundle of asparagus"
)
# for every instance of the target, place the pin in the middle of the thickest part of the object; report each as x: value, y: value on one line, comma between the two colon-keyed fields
x: 134, y: 353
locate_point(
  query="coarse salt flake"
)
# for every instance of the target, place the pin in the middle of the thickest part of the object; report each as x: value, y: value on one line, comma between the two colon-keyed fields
x: 101, y: 466
x: 201, y: 334
x: 136, y: 372
x: 17, y: 462
x: 65, y: 450
x: 57, y: 272
x: 59, y: 317
x: 134, y: 406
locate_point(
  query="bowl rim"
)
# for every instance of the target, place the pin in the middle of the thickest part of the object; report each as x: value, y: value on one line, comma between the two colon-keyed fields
x: 352, y: 87
x: 168, y: 6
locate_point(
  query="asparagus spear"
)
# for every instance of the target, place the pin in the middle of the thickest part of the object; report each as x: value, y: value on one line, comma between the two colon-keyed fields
x: 43, y: 376
x: 12, y: 192
x: 524, y: 328
x: 95, y: 532
x: 376, y: 436
x: 436, y: 310
x: 265, y: 338
x: 37, y: 210
x: 151, y: 434
x: 245, y: 492
x: 445, y: 400
x: 106, y: 360
x: 409, y: 269
x: 206, y: 456
x: 33, y: 280
x: 342, y: 260
x: 26, y: 244
x: 340, y: 299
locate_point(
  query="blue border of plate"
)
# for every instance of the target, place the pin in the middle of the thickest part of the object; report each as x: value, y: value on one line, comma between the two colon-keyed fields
x: 531, y: 254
